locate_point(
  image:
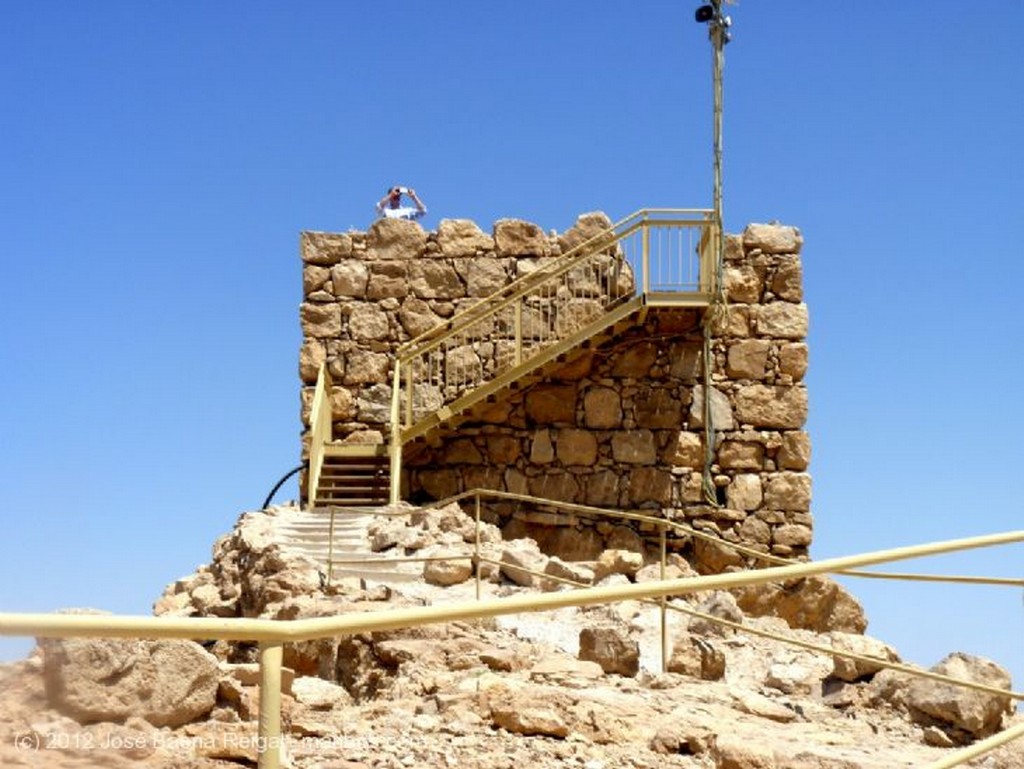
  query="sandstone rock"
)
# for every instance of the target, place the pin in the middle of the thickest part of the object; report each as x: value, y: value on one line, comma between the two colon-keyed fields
x: 635, y: 361
x: 612, y: 648
x: 617, y: 562
x: 576, y: 447
x: 529, y: 717
x: 587, y: 226
x: 689, y: 451
x: 795, y: 451
x: 792, y: 678
x: 367, y: 323
x: 978, y: 713
x: 741, y: 455
x: 320, y: 320
x: 388, y: 280
x: 772, y: 238
x: 485, y: 276
x: 319, y: 694
x: 635, y: 447
x: 764, y: 406
x: 449, y: 572
x: 575, y: 572
x: 524, y: 554
x: 514, y: 237
x: 814, y: 603
x: 416, y: 316
x: 793, y: 360
x: 551, y: 403
x: 745, y: 492
x: 462, y: 237
x: 324, y: 248
x: 349, y: 278
x: 733, y: 752
x: 846, y: 669
x: 697, y: 658
x: 650, y: 484
x: 602, y: 408
x: 721, y: 410
x: 395, y: 239
x: 782, y: 320
x: 743, y: 284
x: 788, y: 282
x: 430, y: 279
x: 166, y: 682
x: 542, y: 449
x: 718, y: 604
x: 314, y: 278
x: 658, y: 409
x: 748, y: 359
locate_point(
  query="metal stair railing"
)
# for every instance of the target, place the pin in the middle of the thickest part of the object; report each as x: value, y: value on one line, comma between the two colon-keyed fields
x: 320, y: 432
x: 672, y: 251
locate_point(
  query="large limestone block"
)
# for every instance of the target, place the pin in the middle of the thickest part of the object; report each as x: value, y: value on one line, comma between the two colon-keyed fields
x: 814, y: 603
x: 416, y: 317
x: 847, y: 669
x: 587, y: 226
x: 324, y: 248
x: 520, y: 557
x: 388, y: 280
x: 363, y: 367
x: 551, y: 403
x: 314, y: 278
x: 788, y: 282
x: 782, y: 320
x: 748, y: 359
x: 576, y: 447
x: 795, y: 451
x: 697, y: 658
x: 368, y: 323
x: 635, y: 361
x: 764, y: 406
x: 788, y: 491
x: 635, y: 447
x: 978, y: 713
x: 312, y: 355
x: 625, y: 562
x: 772, y: 238
x: 559, y: 486
x: 166, y: 682
x: 743, y: 284
x: 721, y: 409
x: 793, y: 360
x: 434, y: 279
x: 745, y: 492
x: 658, y: 408
x: 462, y: 237
x: 602, y: 408
x: 395, y: 239
x: 320, y: 320
x: 612, y: 648
x: 485, y: 276
x: 514, y: 237
x: 741, y: 455
x: 650, y: 484
x: 349, y: 278
x: 689, y: 451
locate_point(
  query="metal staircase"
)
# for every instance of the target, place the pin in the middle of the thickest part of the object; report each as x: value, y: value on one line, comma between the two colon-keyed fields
x: 653, y: 258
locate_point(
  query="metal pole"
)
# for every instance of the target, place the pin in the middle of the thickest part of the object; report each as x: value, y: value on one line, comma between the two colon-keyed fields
x: 477, y: 547
x: 979, y: 748
x: 664, y: 608
x: 271, y: 656
x: 330, y: 548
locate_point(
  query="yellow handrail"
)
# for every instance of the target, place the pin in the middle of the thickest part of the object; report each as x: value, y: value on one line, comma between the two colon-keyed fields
x: 320, y: 430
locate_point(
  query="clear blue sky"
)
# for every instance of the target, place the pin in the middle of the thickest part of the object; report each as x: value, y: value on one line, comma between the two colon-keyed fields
x: 158, y: 160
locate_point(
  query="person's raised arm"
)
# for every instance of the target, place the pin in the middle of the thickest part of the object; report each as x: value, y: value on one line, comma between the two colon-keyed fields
x: 419, y: 203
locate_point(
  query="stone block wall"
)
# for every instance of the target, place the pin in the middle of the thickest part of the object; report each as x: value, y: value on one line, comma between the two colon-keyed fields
x: 619, y: 425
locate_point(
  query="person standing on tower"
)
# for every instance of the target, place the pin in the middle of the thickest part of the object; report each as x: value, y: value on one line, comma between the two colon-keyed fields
x: 390, y: 206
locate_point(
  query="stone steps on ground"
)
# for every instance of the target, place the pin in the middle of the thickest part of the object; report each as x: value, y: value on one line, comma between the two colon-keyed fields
x: 308, y: 532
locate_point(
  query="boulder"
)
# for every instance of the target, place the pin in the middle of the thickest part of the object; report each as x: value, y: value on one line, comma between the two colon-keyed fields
x: 814, y: 603
x: 846, y: 669
x: 395, y: 239
x: 514, y: 237
x: 520, y: 554
x: 623, y: 562
x: 772, y: 238
x: 462, y: 237
x: 975, y: 712
x: 698, y: 658
x: 165, y: 682
x: 612, y: 648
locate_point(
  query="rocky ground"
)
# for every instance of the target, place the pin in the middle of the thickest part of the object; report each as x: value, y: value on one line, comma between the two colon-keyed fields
x: 574, y: 688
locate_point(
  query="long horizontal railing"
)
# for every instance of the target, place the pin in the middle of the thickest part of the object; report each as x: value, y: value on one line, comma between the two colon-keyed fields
x: 672, y: 251
x: 273, y: 634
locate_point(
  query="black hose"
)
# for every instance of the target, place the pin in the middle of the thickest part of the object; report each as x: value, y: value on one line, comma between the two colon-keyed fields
x: 280, y: 483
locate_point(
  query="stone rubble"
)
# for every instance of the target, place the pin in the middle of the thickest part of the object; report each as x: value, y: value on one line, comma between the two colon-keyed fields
x: 572, y: 688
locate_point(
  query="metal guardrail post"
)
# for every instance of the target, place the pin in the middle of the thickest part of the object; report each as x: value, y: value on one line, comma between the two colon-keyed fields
x: 664, y: 604
x: 645, y: 258
x: 476, y: 551
x: 330, y: 547
x: 518, y: 355
x: 269, y: 748
x: 395, y: 449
